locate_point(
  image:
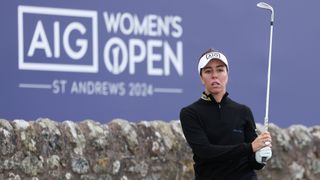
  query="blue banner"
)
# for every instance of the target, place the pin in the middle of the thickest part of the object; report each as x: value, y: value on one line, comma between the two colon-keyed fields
x: 137, y: 60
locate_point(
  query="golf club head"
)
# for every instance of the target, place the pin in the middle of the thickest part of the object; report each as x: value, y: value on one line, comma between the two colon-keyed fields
x: 264, y: 5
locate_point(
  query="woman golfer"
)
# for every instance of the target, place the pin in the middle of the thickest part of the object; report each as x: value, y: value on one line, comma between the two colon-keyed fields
x: 220, y: 131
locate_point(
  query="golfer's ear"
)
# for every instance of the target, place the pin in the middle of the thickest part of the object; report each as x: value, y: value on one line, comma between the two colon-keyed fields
x: 201, y: 79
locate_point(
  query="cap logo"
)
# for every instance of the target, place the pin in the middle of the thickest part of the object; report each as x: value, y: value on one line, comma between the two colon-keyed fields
x: 213, y: 55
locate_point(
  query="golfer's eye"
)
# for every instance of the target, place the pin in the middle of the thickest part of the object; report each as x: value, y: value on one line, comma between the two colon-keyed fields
x: 220, y: 70
x: 207, y: 71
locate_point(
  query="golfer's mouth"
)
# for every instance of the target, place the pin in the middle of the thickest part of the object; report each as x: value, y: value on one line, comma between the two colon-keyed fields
x: 215, y: 84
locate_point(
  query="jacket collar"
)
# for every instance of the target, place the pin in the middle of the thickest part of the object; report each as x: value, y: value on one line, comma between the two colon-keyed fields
x: 210, y: 98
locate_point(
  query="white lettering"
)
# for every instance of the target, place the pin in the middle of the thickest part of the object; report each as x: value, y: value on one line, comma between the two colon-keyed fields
x: 140, y: 27
x: 152, y: 21
x: 116, y: 67
x: 140, y: 89
x: 153, y: 57
x: 164, y: 25
x: 150, y: 25
x: 59, y: 86
x: 111, y: 22
x: 176, y: 59
x: 98, y: 88
x: 178, y: 30
x: 157, y: 54
x: 82, y: 43
x: 39, y: 41
x: 56, y: 31
x: 126, y: 19
x: 136, y: 45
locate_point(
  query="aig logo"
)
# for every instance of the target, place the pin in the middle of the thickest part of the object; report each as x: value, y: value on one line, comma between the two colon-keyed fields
x: 213, y: 55
x: 57, y: 39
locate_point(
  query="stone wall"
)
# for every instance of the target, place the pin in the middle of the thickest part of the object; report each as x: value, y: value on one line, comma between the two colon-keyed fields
x: 147, y: 150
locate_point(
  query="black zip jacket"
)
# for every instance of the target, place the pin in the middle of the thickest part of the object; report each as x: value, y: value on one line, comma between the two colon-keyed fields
x: 220, y: 136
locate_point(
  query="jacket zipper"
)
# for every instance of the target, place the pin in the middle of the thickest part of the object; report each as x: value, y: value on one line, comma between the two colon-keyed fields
x: 219, y: 110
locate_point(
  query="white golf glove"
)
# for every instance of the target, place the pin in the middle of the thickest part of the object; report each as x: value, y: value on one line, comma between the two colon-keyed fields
x: 263, y: 155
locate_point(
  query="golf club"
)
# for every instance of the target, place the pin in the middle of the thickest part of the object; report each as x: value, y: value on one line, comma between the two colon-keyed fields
x: 264, y: 5
x: 265, y: 153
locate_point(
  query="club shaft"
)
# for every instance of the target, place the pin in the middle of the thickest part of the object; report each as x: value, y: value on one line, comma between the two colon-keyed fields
x: 266, y: 118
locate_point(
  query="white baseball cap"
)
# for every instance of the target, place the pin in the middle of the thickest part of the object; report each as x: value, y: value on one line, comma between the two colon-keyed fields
x: 210, y: 56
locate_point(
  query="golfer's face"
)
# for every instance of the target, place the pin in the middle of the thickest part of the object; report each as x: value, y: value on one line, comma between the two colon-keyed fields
x: 214, y: 76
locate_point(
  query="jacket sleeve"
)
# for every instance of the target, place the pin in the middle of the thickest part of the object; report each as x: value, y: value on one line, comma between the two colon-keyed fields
x: 251, y: 135
x: 200, y: 145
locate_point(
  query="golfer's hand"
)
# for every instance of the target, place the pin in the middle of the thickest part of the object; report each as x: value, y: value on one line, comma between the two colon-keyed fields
x: 263, y: 140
